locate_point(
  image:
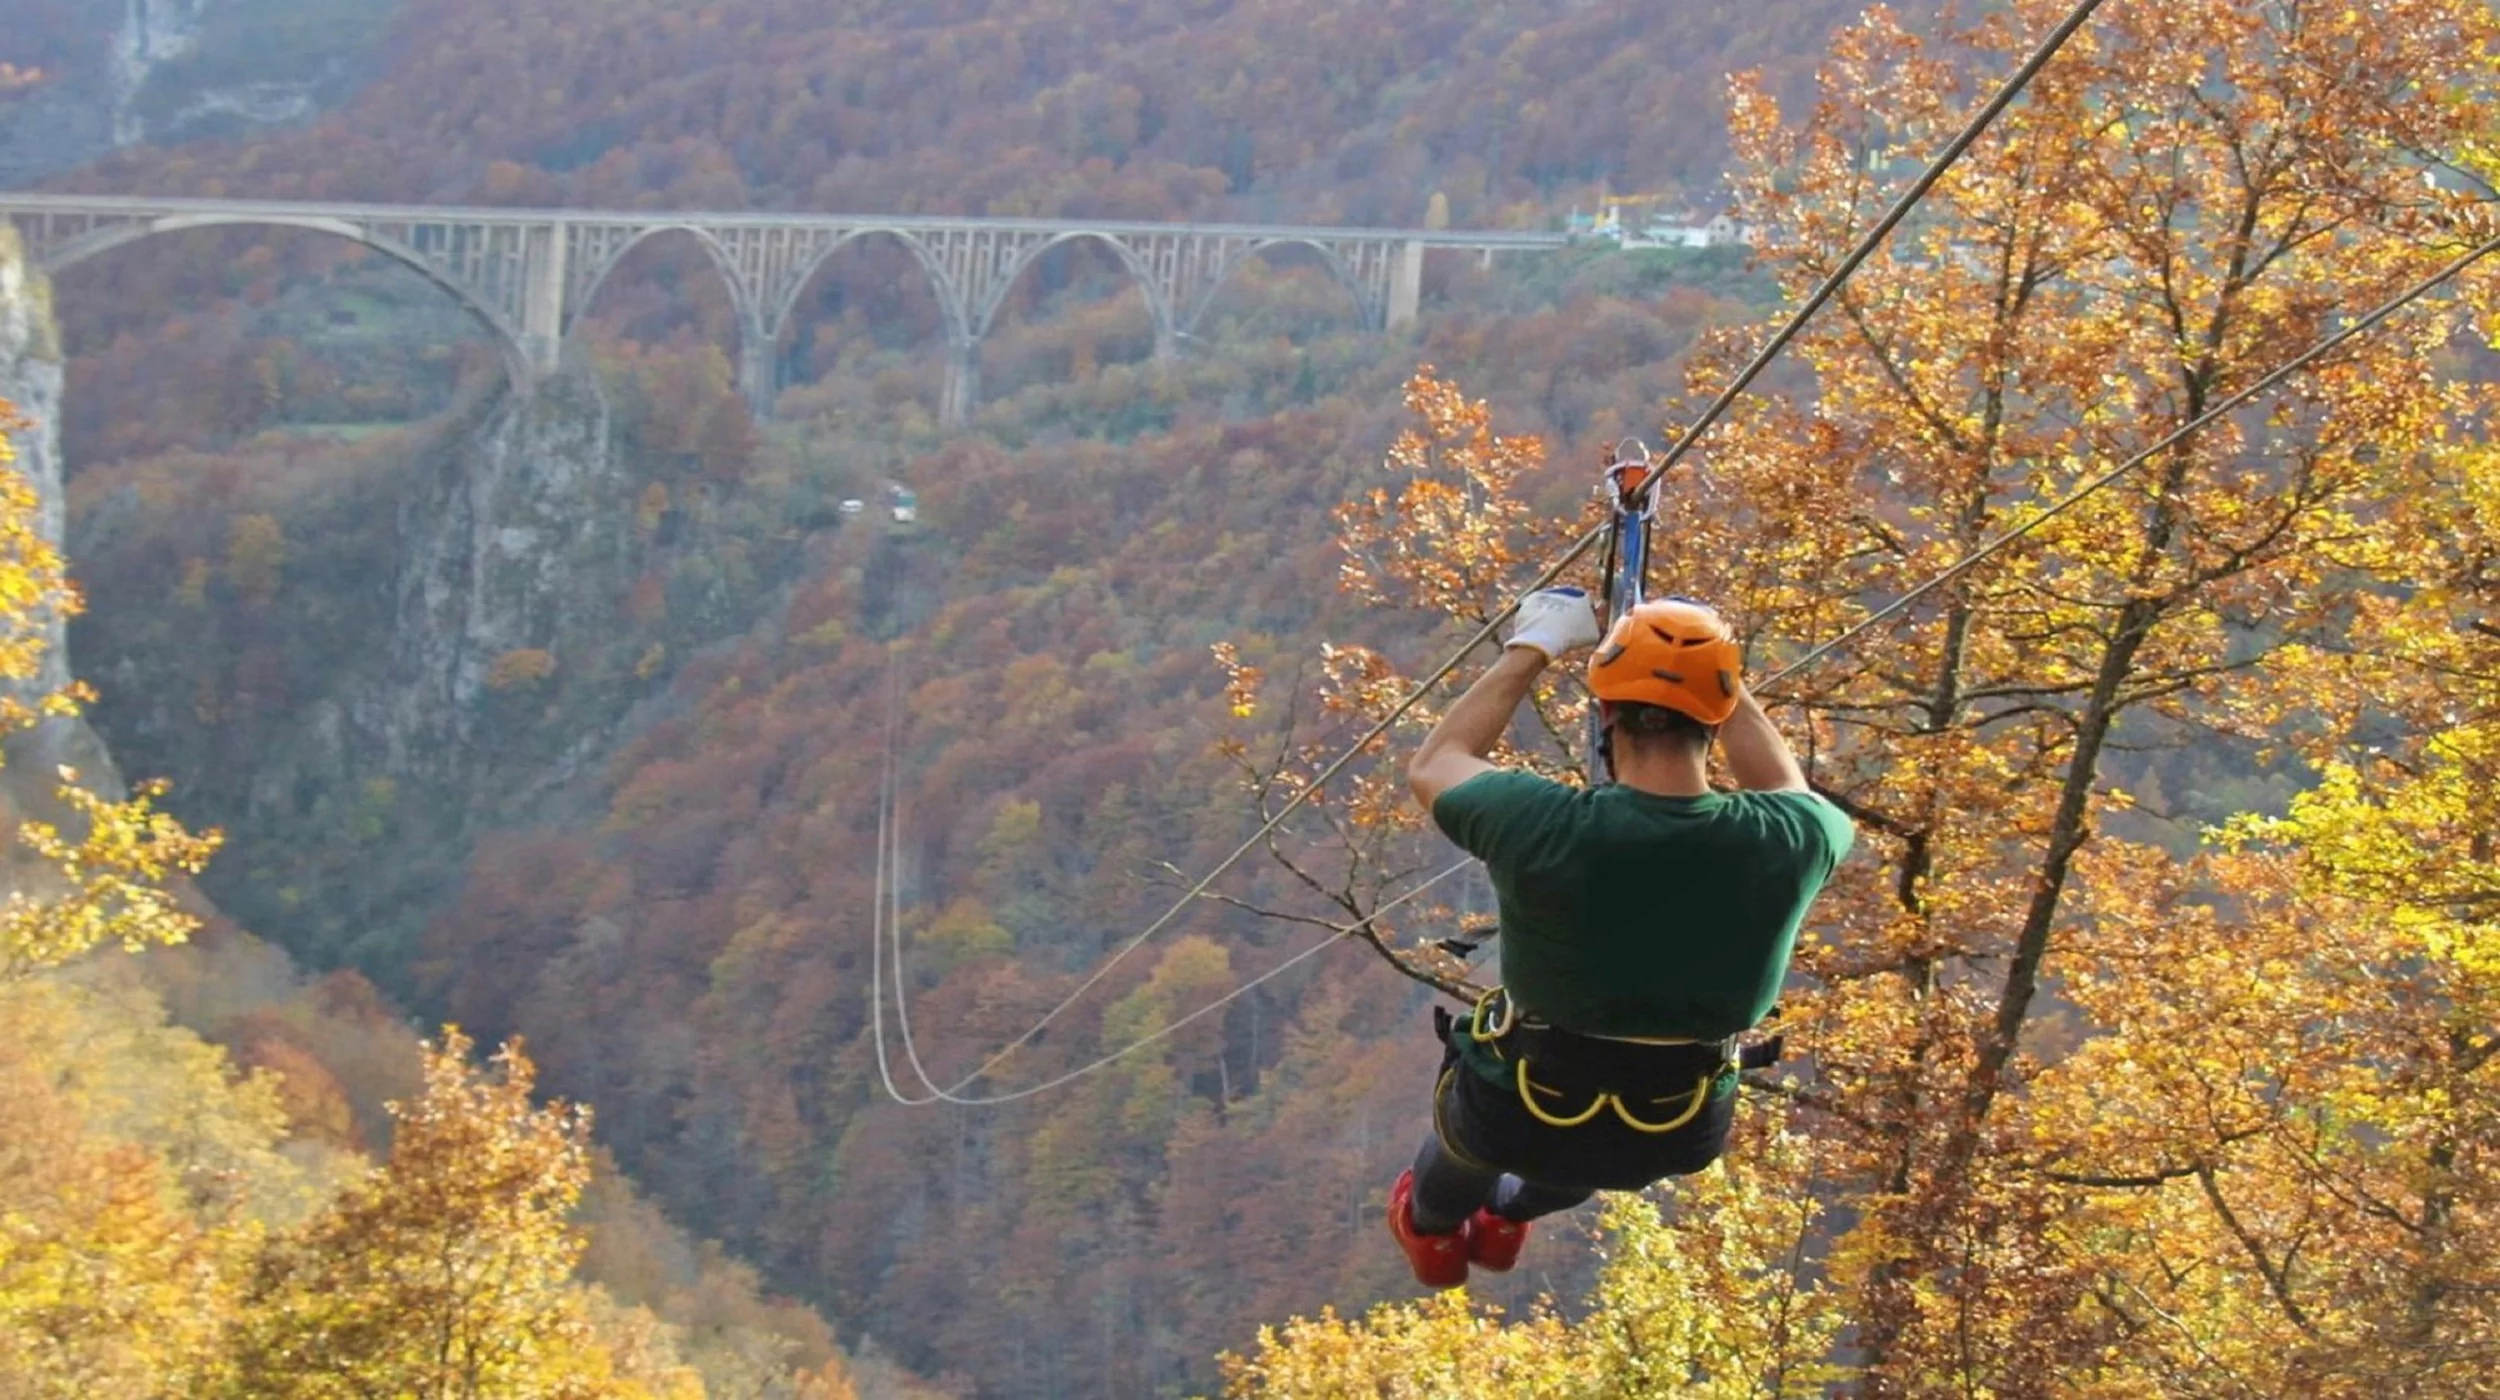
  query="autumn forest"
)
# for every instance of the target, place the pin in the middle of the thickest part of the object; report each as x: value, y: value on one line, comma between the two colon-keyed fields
x: 453, y: 819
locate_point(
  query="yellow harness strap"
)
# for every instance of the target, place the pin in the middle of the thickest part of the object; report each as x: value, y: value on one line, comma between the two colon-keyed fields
x: 1475, y: 1022
x: 1693, y: 1104
x: 1529, y: 1089
x: 1477, y: 1031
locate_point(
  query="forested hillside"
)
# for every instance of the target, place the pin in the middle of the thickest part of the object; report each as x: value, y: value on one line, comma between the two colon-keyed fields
x: 205, y: 1218
x: 2084, y: 1093
x: 690, y: 952
x: 2091, y: 1110
x: 1292, y: 110
x: 249, y: 416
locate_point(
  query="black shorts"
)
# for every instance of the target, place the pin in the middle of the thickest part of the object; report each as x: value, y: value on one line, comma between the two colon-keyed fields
x: 1485, y: 1124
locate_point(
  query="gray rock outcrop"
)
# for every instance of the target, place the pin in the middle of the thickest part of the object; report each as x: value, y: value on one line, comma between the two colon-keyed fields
x: 164, y: 71
x: 30, y: 381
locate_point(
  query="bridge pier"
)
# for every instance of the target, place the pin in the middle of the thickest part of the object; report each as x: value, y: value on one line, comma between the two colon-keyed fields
x: 542, y: 298
x: 962, y: 391
x: 759, y: 378
x: 1406, y: 286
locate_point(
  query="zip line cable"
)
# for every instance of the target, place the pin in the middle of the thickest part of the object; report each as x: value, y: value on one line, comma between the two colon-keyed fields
x: 885, y: 919
x: 886, y: 960
x: 1268, y: 827
x: 1336, y: 935
x: 892, y: 884
x: 1910, y: 199
x: 2371, y: 321
x: 2011, y: 88
x: 893, y: 961
x: 2169, y: 440
x: 1788, y: 331
x: 876, y: 956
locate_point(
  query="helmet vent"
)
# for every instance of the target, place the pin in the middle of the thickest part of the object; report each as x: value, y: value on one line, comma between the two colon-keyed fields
x: 1669, y: 677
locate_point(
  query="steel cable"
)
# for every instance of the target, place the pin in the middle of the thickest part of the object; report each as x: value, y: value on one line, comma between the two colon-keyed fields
x: 886, y: 958
x: 2361, y: 326
x: 1709, y: 417
x: 885, y: 919
x: 2169, y: 440
x: 892, y: 960
x: 2011, y: 88
x: 1910, y: 199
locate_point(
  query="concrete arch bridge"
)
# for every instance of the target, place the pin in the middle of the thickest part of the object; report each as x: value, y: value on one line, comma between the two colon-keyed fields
x: 529, y: 274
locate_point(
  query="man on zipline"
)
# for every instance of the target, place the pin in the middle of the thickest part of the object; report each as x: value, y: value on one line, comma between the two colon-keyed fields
x: 1645, y: 924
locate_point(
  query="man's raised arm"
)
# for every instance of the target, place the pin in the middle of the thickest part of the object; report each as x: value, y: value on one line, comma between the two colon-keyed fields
x: 1757, y: 757
x: 1552, y: 621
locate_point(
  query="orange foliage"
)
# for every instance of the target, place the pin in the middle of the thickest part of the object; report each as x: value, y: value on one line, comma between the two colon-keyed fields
x: 520, y: 669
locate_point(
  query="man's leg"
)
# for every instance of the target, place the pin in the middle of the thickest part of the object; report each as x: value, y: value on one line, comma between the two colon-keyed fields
x: 1447, y: 1190
x: 1523, y: 1201
x: 1434, y: 1240
x: 1492, y: 1208
x: 1497, y: 1232
x: 1451, y: 1210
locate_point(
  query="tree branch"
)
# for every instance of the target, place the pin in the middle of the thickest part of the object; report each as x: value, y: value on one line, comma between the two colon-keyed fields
x: 2276, y: 1283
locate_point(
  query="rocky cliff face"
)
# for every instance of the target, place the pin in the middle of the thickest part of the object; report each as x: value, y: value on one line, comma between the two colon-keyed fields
x: 66, y: 120
x: 164, y: 71
x: 471, y: 589
x: 153, y: 33
x: 514, y: 542
x: 30, y: 379
x: 474, y: 685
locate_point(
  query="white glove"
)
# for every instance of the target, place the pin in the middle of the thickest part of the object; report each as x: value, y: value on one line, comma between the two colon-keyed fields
x: 1555, y: 621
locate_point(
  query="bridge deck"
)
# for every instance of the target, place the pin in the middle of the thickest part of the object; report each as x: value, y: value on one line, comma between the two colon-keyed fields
x: 529, y: 273
x: 244, y: 209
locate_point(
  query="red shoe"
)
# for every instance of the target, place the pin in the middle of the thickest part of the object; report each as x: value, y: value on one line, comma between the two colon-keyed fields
x: 1493, y: 1241
x: 1439, y: 1261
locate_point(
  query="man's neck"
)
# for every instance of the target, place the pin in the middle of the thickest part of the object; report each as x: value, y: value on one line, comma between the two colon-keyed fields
x: 1664, y: 773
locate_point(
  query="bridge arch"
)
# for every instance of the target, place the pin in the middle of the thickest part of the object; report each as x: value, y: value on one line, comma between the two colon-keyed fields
x: 741, y: 296
x: 1196, y: 311
x: 507, y: 336
x: 950, y: 298
x: 995, y: 296
x: 750, y: 358
x: 790, y: 318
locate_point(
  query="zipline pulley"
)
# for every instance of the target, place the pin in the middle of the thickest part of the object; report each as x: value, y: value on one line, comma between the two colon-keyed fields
x: 1629, y: 491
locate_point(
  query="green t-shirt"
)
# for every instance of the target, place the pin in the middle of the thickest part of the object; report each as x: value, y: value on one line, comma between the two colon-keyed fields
x: 1626, y: 913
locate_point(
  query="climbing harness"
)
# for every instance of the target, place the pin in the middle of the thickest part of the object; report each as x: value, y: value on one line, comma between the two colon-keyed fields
x: 1551, y: 1066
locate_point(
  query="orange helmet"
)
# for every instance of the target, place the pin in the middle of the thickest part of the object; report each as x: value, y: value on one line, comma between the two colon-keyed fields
x: 1671, y: 652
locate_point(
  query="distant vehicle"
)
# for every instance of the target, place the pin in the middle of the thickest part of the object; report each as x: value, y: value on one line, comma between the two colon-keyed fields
x: 853, y: 505
x: 906, y: 505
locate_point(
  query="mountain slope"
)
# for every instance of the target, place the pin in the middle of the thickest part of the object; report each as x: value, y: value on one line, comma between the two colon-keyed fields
x: 1296, y: 110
